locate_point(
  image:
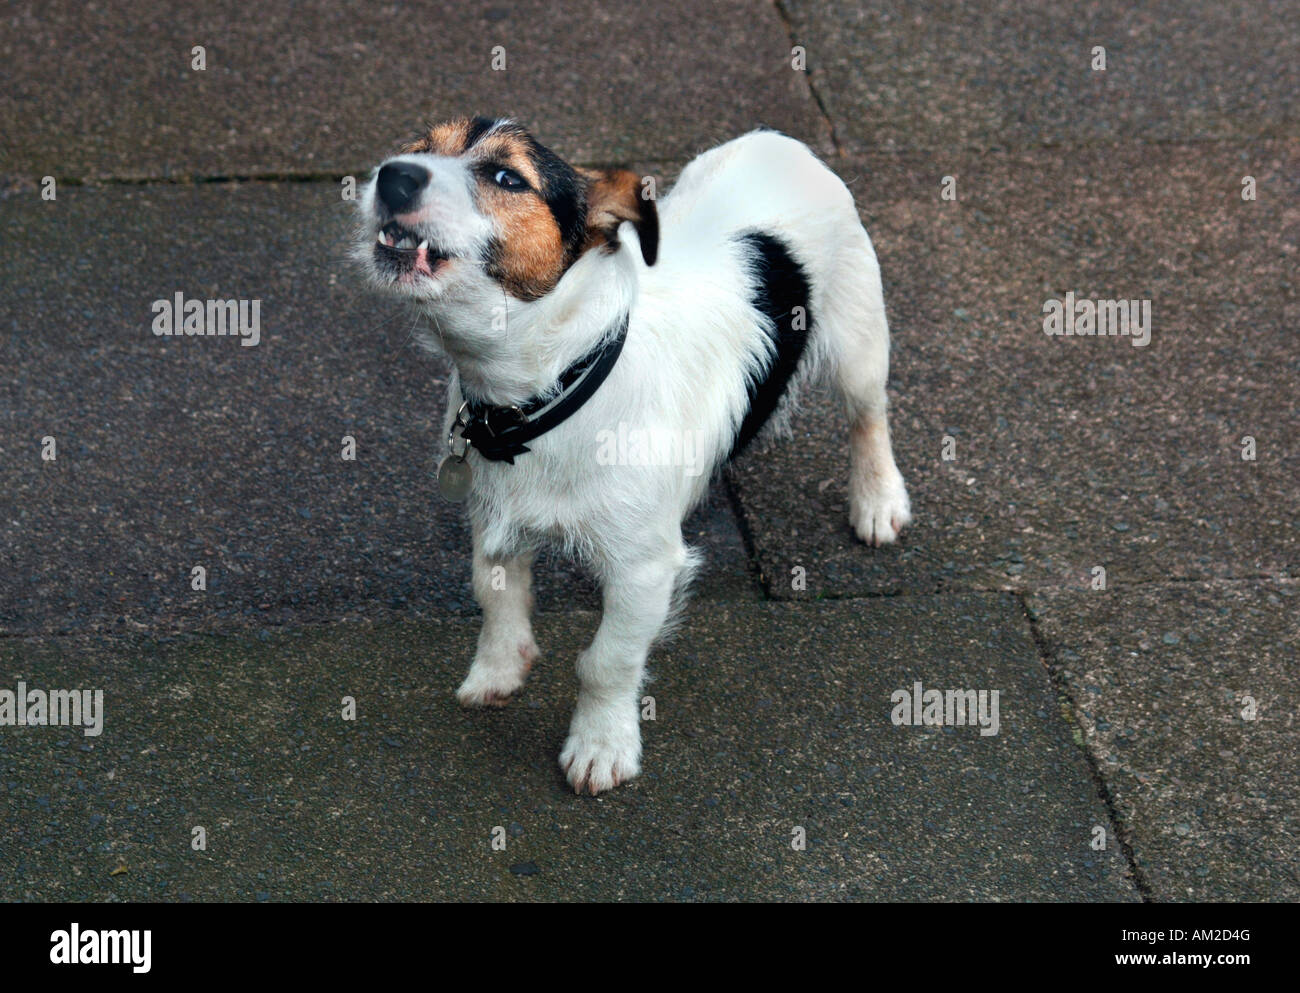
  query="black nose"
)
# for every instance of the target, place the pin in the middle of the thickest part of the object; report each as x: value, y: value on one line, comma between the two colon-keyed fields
x: 399, y: 183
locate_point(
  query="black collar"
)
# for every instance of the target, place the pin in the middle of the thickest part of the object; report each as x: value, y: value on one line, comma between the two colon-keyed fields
x: 500, y: 433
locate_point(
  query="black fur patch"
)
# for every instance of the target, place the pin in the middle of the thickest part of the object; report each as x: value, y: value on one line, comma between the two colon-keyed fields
x: 565, y: 194
x: 781, y: 287
x: 477, y: 129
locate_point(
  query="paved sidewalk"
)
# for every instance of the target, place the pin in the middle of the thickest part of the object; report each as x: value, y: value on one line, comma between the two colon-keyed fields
x: 243, y: 736
x: 1121, y: 708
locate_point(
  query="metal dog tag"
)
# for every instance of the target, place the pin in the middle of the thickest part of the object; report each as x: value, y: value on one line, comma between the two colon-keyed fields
x: 454, y: 478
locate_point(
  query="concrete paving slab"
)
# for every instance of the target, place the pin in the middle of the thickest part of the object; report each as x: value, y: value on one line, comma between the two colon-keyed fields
x: 1071, y: 453
x: 173, y: 453
x: 769, y: 717
x: 320, y: 88
x: 1186, y: 695
x: 1007, y: 74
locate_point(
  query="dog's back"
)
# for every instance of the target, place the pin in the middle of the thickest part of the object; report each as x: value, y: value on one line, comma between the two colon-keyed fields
x: 741, y: 221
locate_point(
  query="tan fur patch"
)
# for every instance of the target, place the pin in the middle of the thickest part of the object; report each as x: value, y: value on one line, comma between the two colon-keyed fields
x: 530, y: 255
x: 614, y: 196
x: 612, y: 199
x: 445, y: 139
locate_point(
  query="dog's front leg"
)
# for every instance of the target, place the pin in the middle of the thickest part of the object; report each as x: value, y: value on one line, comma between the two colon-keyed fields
x: 604, y: 744
x: 506, y: 649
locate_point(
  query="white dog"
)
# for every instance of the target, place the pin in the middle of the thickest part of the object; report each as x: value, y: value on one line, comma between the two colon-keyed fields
x: 574, y: 312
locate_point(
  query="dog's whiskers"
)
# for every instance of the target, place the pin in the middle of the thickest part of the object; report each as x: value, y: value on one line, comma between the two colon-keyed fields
x: 415, y: 323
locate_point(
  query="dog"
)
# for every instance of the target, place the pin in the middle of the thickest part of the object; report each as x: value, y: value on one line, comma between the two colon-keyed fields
x: 576, y: 307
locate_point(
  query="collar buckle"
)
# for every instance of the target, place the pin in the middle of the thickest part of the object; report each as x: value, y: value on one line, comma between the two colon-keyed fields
x: 512, y: 416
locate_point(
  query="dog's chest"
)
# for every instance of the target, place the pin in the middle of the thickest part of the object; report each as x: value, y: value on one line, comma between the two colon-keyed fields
x: 536, y: 501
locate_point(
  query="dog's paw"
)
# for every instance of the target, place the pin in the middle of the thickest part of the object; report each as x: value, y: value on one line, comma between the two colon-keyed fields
x: 602, y: 751
x: 878, y: 512
x: 496, y: 676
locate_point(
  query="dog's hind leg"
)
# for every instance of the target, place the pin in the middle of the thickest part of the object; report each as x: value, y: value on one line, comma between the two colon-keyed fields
x: 857, y: 339
x: 879, y: 507
x: 506, y: 649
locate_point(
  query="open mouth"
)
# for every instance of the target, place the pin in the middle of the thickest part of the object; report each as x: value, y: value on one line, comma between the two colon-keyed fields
x: 404, y: 251
x: 401, y: 239
x: 395, y: 238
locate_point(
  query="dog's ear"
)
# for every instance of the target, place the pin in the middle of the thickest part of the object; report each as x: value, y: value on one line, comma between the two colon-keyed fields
x: 615, y: 196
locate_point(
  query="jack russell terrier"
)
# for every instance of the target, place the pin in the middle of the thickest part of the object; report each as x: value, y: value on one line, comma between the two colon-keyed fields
x: 574, y: 310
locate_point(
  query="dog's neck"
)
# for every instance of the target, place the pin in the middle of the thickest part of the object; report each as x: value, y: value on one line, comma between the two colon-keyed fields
x: 507, y: 351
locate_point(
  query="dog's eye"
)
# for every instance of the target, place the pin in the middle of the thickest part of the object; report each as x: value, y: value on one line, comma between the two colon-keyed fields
x: 508, y: 179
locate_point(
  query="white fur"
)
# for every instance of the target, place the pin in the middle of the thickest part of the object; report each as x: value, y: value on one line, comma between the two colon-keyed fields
x: 693, y: 341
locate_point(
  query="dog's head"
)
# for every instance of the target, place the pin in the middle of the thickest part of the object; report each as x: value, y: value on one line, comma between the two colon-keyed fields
x: 478, y: 198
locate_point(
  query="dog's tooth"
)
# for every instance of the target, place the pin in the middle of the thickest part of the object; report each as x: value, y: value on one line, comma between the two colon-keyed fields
x: 423, y: 245
x: 381, y: 238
